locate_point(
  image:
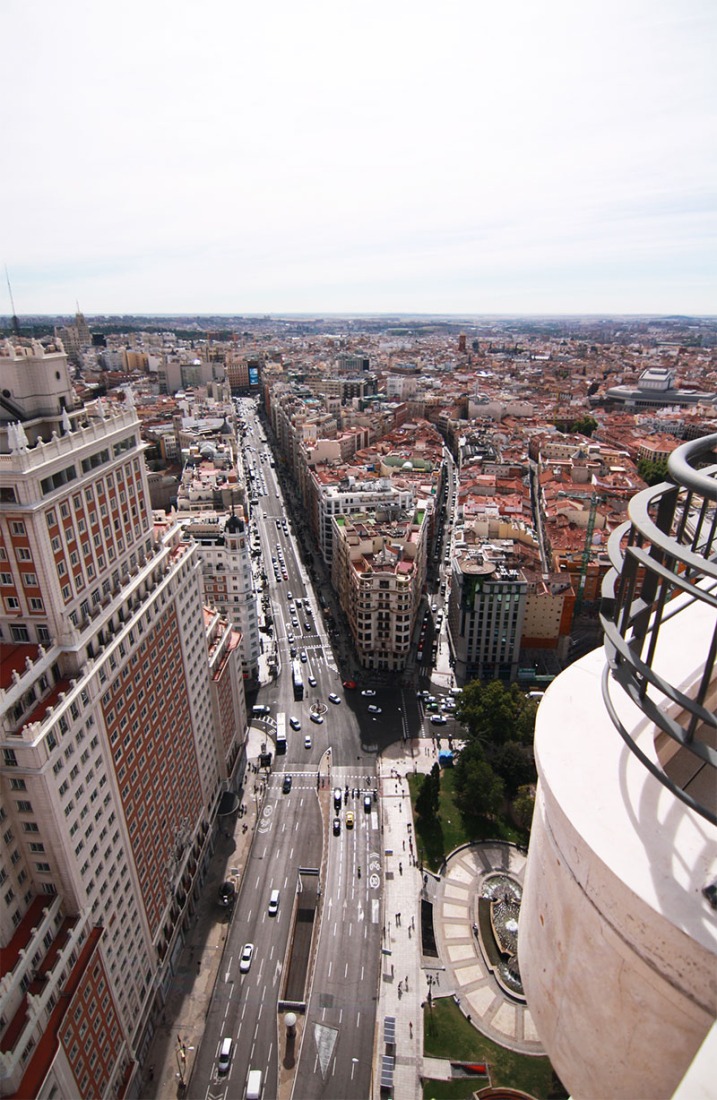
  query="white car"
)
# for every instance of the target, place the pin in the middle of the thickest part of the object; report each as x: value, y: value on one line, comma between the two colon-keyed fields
x: 374, y: 710
x: 333, y: 698
x: 312, y: 681
x: 439, y: 720
x: 294, y: 723
x: 368, y: 692
x: 307, y: 741
x: 246, y: 956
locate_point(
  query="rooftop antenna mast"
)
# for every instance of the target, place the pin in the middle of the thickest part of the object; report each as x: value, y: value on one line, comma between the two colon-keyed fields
x: 15, y: 322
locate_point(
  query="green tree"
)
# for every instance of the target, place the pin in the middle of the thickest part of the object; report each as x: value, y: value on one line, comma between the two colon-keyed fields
x: 523, y: 806
x: 585, y: 426
x: 514, y: 763
x: 427, y: 802
x: 652, y: 471
x: 478, y: 789
x: 495, y: 712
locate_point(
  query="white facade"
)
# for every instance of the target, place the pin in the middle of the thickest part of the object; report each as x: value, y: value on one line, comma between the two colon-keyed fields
x: 618, y: 945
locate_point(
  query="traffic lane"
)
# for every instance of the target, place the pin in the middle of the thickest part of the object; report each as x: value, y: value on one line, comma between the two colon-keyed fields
x: 288, y: 836
x: 294, y: 834
x: 342, y: 1008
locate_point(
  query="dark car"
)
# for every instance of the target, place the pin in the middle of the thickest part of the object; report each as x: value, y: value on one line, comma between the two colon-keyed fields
x: 227, y: 893
x: 286, y: 787
x: 367, y: 803
x: 337, y: 826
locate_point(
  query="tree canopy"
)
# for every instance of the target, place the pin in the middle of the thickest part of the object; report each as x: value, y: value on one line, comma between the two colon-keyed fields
x: 497, y: 759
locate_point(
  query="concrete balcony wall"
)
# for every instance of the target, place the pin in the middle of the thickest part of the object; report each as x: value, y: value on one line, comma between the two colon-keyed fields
x: 618, y: 946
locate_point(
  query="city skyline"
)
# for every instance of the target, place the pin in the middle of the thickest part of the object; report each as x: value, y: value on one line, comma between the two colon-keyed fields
x: 372, y: 159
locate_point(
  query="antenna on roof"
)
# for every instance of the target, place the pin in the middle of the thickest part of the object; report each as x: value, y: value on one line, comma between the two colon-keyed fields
x: 15, y: 322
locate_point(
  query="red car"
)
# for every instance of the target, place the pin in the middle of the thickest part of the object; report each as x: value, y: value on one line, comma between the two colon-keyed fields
x: 350, y: 685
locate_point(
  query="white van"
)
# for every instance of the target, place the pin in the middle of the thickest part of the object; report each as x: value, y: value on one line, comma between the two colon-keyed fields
x: 273, y: 903
x: 225, y: 1057
x: 253, y: 1085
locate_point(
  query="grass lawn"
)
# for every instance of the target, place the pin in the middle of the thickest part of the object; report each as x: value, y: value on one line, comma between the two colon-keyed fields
x: 457, y: 1089
x: 450, y: 828
x: 447, y: 1034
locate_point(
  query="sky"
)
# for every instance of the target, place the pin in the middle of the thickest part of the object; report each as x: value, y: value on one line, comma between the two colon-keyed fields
x: 382, y: 156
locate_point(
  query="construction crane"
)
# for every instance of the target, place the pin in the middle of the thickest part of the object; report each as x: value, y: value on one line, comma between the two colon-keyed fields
x: 594, y: 501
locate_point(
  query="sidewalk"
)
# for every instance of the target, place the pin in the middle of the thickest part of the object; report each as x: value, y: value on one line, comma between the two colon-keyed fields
x: 180, y: 1029
x: 403, y: 982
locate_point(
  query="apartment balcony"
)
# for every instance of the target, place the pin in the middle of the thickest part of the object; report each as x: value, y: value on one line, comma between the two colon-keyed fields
x: 618, y: 936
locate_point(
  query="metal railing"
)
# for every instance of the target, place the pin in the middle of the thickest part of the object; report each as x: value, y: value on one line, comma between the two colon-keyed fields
x: 664, y: 562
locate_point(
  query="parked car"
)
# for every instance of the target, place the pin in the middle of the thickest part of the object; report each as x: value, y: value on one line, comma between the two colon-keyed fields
x: 227, y: 893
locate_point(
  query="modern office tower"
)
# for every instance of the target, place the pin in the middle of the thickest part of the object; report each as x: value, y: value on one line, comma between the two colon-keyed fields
x: 618, y: 927
x: 486, y: 611
x: 112, y: 763
x: 378, y: 572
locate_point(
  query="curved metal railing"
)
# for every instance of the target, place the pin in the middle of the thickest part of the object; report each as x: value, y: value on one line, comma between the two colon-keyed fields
x: 664, y: 561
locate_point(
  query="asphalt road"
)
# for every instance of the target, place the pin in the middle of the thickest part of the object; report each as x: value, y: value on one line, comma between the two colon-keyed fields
x: 335, y: 1054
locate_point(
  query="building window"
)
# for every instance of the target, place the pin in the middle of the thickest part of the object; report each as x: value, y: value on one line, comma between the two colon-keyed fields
x: 17, y: 527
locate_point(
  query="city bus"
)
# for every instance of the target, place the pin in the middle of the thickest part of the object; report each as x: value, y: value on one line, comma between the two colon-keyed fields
x: 280, y: 734
x: 297, y: 679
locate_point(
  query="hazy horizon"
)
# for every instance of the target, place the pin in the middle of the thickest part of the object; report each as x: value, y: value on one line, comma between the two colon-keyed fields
x: 381, y: 158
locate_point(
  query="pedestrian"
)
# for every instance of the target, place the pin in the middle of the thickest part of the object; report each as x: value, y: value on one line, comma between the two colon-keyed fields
x: 404, y: 845
x: 406, y: 983
x: 400, y: 868
x: 410, y: 1029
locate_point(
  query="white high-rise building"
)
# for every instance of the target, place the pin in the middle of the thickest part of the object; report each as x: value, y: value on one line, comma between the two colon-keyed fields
x: 618, y: 927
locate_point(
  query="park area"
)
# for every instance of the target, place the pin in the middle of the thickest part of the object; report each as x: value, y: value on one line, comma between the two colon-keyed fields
x: 448, y: 1035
